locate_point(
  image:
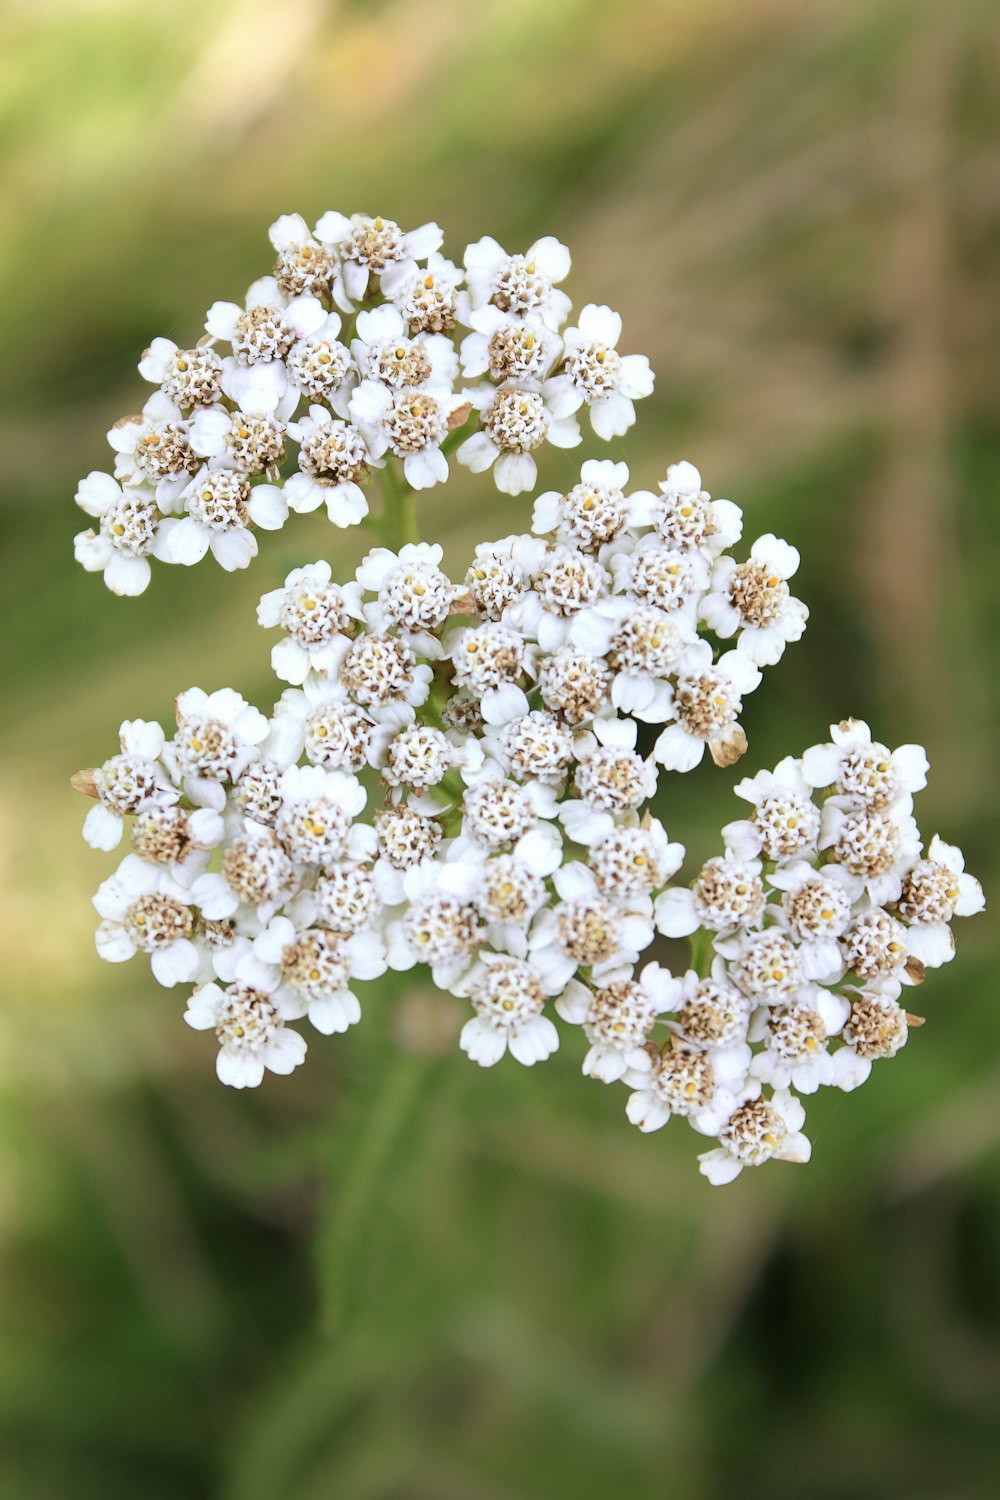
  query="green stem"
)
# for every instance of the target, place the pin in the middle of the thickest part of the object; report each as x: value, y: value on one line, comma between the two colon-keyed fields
x: 702, y: 952
x: 355, y: 1197
x: 459, y: 434
x: 399, y: 507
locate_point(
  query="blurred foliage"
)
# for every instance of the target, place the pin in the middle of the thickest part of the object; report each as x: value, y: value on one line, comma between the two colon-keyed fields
x: 393, y: 1277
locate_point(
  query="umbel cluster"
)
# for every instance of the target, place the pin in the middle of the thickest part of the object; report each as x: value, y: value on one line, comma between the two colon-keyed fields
x: 460, y: 773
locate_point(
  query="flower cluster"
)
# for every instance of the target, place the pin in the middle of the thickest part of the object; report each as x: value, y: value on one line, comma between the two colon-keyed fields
x: 362, y: 345
x: 820, y: 912
x: 457, y: 776
x: 461, y: 774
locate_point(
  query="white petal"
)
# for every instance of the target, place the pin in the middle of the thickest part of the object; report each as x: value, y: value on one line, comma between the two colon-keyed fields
x: 113, y: 943
x: 102, y: 828
x: 175, y: 964
x: 482, y: 1043
x: 719, y: 1167
x: 931, y: 943
x: 335, y: 1013
x: 268, y: 507
x: 647, y: 1111
x: 504, y: 704
x: 477, y: 452
x: 97, y: 492
x: 514, y: 472
x: 240, y: 1070
x: 677, y: 750
x: 675, y: 913
x: 184, y: 541
x: 534, y: 1042
x: 127, y: 576
x: 234, y: 549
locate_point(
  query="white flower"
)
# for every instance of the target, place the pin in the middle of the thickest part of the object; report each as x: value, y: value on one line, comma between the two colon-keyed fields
x: 574, y: 683
x: 500, y: 814
x: 795, y: 1037
x: 344, y: 900
x: 318, y: 615
x: 588, y: 929
x: 511, y: 848
x: 611, y: 777
x: 617, y: 1019
x: 221, y: 507
x: 303, y: 264
x: 490, y: 659
x: 752, y: 599
x: 727, y: 894
x: 333, y: 459
x: 320, y: 367
x: 407, y: 839
x: 523, y: 285
x: 875, y: 950
x: 251, y: 439
x: 506, y: 347
x: 876, y: 1027
x: 670, y: 578
x: 628, y: 858
x: 188, y: 377
x: 595, y: 511
x: 515, y: 422
x: 705, y: 708
x: 565, y: 582
x: 875, y: 846
x: 217, y: 736
x: 508, y: 995
x: 758, y: 1130
x: 421, y: 756
x: 333, y: 731
x: 222, y: 945
x: 247, y: 1018
x: 383, y: 351
x: 256, y: 873
x: 595, y: 374
x: 816, y: 908
x: 686, y: 516
x: 440, y: 925
x: 859, y: 767
x: 507, y: 890
x: 315, y: 822
x: 381, y: 672
x: 765, y: 965
x: 428, y: 299
x: 411, y: 422
x: 535, y: 747
x: 316, y: 967
x: 935, y: 890
x: 414, y: 595
x: 155, y: 449
x: 374, y: 247
x: 129, y: 522
x: 713, y: 1014
x: 645, y: 646
x: 500, y: 573
x: 175, y: 838
x: 146, y: 909
x: 785, y: 820
x: 683, y: 1079
x: 261, y: 334
x: 128, y: 783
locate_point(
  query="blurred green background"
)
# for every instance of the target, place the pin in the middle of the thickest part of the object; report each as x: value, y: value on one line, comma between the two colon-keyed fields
x: 394, y: 1277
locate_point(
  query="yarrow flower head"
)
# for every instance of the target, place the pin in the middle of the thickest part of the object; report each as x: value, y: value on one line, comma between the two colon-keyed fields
x: 463, y: 772
x: 349, y: 354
